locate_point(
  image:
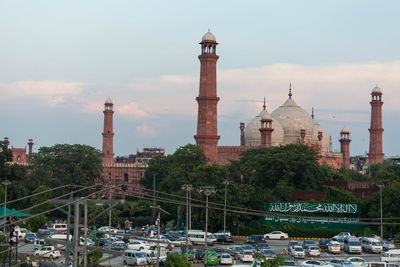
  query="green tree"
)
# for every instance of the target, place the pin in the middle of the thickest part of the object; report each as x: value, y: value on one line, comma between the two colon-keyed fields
x: 39, y: 221
x: 63, y: 164
x: 279, y: 260
x: 338, y: 195
x: 174, y: 260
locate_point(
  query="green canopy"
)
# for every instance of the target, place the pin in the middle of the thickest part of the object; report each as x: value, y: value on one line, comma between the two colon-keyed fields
x: 13, y: 212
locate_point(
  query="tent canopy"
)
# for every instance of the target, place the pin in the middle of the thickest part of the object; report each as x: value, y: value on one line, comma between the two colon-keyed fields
x: 13, y: 213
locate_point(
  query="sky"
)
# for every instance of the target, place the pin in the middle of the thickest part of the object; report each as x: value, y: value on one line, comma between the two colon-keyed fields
x: 60, y: 60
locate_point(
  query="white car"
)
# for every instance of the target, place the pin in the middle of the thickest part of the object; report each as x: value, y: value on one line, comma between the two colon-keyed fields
x: 334, y: 247
x: 225, y: 258
x: 107, y: 229
x: 48, y: 252
x: 134, y: 244
x: 89, y: 241
x: 356, y: 261
x: 313, y: 263
x: 181, y: 241
x: 298, y: 252
x: 276, y: 235
x: 246, y: 256
x: 343, y: 235
x: 312, y: 251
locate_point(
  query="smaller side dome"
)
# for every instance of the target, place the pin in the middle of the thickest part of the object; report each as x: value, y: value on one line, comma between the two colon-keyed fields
x: 208, y: 37
x: 109, y: 101
x: 376, y: 90
x: 345, y: 130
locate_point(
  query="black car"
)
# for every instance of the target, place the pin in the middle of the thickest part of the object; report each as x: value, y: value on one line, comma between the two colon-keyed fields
x: 262, y: 244
x: 323, y: 243
x: 308, y: 243
x: 254, y: 239
x: 199, y: 255
x: 30, y: 237
x: 224, y: 239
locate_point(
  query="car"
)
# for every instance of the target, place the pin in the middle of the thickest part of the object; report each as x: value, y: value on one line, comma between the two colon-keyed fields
x: 386, y: 245
x: 262, y: 244
x: 104, y: 241
x: 107, y: 229
x: 334, y: 247
x: 308, y: 243
x: 371, y: 245
x: 356, y: 261
x: 312, y: 251
x: 221, y: 232
x: 246, y: 256
x: 392, y: 255
x: 199, y: 254
x: 181, y: 241
x: 342, y: 235
x: 340, y: 240
x: 298, y: 252
x: 89, y: 241
x: 314, y: 263
x: 30, y: 237
x: 254, y: 239
x: 352, y: 245
x: 249, y: 247
x: 133, y: 257
x: 224, y: 239
x: 268, y: 253
x: 225, y: 258
x: 48, y: 252
x: 118, y: 245
x: 336, y: 262
x: 323, y: 244
x: 291, y: 244
x: 235, y: 251
x: 276, y: 235
x: 134, y: 244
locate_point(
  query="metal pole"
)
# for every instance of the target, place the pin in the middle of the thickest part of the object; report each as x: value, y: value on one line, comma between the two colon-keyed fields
x: 380, y: 193
x: 226, y: 184
x: 190, y: 211
x: 158, y: 238
x: 153, y: 214
x: 5, y: 183
x: 187, y: 222
x: 76, y: 234
x: 85, y: 231
x: 205, y: 236
x: 16, y: 248
x: 68, y: 241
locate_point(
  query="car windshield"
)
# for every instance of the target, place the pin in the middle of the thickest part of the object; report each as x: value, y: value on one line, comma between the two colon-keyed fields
x: 314, y: 248
x: 298, y: 249
x: 226, y: 256
x: 139, y: 255
x: 354, y: 243
x: 376, y: 243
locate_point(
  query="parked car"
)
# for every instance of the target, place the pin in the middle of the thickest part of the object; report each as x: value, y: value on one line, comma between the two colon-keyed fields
x: 308, y: 243
x: 392, y: 255
x: 224, y: 239
x: 246, y: 256
x: 225, y: 258
x: 341, y: 262
x: 46, y: 232
x: 60, y: 227
x: 48, y: 252
x: 235, y: 251
x: 340, y: 240
x: 199, y: 254
x: 386, y: 245
x: 371, y: 245
x: 276, y: 235
x: 323, y: 244
x: 133, y: 257
x: 291, y: 244
x: 356, y: 261
x: 262, y: 244
x: 312, y: 251
x: 134, y: 244
x: 118, y: 245
x: 268, y: 253
x: 30, y: 237
x: 298, y: 252
x: 342, y: 235
x: 352, y: 245
x: 314, y: 263
x: 254, y: 239
x: 334, y: 247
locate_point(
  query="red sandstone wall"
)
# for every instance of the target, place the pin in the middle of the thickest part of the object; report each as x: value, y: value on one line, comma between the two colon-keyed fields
x: 226, y: 153
x: 19, y: 155
x: 114, y: 174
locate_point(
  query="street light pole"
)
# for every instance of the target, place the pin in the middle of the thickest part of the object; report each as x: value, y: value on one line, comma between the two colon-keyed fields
x: 207, y: 191
x: 153, y: 214
x: 380, y: 193
x: 226, y: 183
x: 187, y: 188
x: 5, y: 183
x: 158, y: 223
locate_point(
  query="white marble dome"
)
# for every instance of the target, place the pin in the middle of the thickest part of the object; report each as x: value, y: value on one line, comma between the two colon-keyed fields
x: 252, y: 134
x: 345, y: 130
x: 208, y: 36
x: 109, y: 101
x: 376, y: 90
x: 293, y: 118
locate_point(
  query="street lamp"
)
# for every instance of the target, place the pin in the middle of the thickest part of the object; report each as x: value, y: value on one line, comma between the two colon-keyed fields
x: 380, y: 193
x: 158, y: 223
x: 187, y: 188
x: 226, y: 183
x: 207, y: 191
x: 5, y: 183
x: 153, y: 214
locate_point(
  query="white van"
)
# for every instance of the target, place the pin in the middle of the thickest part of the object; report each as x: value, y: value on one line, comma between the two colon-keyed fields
x: 391, y: 255
x: 151, y: 256
x: 61, y: 240
x: 198, y: 236
x: 134, y: 257
x: 371, y: 245
x: 379, y: 264
x: 61, y: 227
x: 352, y: 245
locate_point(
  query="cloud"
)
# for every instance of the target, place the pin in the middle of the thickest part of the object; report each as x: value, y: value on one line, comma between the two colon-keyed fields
x: 51, y: 92
x: 145, y: 130
x: 132, y: 110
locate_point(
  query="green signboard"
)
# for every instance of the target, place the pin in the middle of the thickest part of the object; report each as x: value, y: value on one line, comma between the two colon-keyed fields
x: 313, y: 207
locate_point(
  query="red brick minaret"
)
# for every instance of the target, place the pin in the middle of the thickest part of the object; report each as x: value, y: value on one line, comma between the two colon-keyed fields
x: 375, y: 154
x: 242, y: 140
x: 207, y: 129
x: 345, y: 147
x: 30, y: 145
x: 108, y: 134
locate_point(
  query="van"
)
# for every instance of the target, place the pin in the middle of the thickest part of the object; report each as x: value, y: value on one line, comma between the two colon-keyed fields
x: 60, y: 227
x: 391, y: 255
x: 151, y: 256
x: 379, y: 264
x: 371, y: 245
x: 134, y: 257
x: 352, y: 245
x: 198, y: 237
x: 61, y: 240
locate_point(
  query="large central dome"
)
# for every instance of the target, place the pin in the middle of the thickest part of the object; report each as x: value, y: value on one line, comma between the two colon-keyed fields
x: 293, y: 119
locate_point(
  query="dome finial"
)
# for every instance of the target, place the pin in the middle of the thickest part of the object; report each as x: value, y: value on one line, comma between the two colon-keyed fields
x: 290, y: 90
x: 264, y: 106
x: 312, y: 112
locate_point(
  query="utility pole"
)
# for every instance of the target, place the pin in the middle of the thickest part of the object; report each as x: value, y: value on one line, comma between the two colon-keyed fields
x: 380, y: 193
x: 5, y: 183
x: 85, y: 231
x: 190, y: 210
x: 187, y: 188
x: 153, y: 214
x: 226, y: 183
x: 207, y: 191
x: 68, y: 241
x: 158, y: 223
